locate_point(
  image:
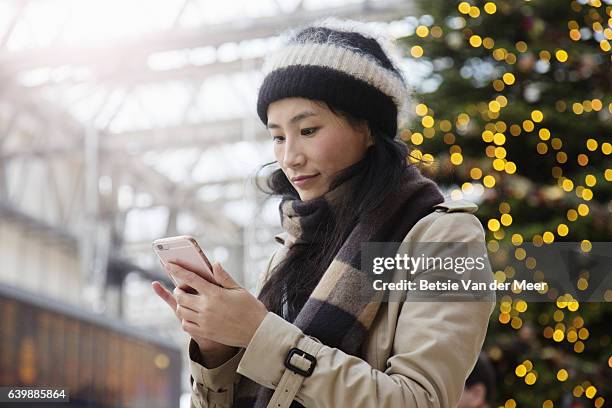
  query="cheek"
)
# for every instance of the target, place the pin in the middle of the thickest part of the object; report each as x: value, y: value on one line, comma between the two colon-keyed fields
x: 337, y: 151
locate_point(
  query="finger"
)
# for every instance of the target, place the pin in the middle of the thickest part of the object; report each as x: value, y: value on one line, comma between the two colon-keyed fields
x: 164, y: 294
x: 186, y: 299
x: 206, y: 271
x: 223, y: 278
x: 189, y: 326
x: 190, y: 279
x: 187, y: 314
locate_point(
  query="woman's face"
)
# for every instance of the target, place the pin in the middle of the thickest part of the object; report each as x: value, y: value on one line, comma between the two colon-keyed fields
x: 312, y: 144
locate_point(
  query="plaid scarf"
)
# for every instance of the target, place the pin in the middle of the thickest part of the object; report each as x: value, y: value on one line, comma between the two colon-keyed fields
x: 334, y: 313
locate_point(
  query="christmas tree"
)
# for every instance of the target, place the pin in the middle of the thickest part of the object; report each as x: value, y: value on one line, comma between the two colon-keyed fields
x: 515, y: 112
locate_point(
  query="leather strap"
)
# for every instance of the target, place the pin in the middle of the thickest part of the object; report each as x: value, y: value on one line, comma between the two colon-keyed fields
x: 291, y: 382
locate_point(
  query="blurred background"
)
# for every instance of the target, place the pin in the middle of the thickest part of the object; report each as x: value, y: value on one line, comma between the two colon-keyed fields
x: 125, y: 121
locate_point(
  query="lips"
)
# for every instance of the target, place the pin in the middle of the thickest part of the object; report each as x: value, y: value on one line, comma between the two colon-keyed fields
x: 298, y: 178
x: 301, y: 181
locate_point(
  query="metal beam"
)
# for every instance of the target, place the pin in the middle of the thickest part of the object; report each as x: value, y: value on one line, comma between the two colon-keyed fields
x: 203, y: 135
x: 142, y: 75
x: 137, y: 49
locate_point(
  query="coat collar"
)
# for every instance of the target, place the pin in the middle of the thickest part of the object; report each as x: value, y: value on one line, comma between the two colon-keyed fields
x: 286, y: 239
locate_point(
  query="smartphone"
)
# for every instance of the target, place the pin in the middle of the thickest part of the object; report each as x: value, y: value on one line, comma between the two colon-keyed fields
x: 184, y: 251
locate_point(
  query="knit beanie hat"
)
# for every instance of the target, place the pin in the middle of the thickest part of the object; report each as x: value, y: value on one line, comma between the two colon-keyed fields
x: 343, y: 64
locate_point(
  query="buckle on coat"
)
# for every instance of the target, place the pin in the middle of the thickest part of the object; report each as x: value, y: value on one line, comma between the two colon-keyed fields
x: 298, y: 370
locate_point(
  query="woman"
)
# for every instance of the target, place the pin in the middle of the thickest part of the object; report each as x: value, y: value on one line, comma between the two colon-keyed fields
x: 332, y: 100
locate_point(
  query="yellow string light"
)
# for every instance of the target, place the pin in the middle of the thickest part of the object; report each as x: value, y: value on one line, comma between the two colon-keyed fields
x: 500, y: 152
x: 464, y: 7
x: 510, y: 403
x: 456, y: 159
x: 421, y: 109
x: 422, y: 31
x: 493, y: 224
x: 544, y: 134
x: 528, y: 125
x: 583, y: 210
x: 474, y: 12
x: 530, y: 378
x: 590, y: 392
x: 542, y: 148
x: 510, y: 167
x: 499, y: 139
x: 475, y: 41
x: 562, y: 375
x: 537, y: 116
x: 416, y: 51
x: 427, y: 121
x: 577, y: 391
x: 520, y: 370
x: 585, y: 245
x: 561, y: 55
x: 499, y: 164
x: 521, y: 46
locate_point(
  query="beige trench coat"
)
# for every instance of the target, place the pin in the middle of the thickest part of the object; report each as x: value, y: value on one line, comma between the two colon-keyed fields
x: 416, y: 355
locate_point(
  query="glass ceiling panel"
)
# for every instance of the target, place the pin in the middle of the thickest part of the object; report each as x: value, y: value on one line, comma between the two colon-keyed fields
x: 72, y: 22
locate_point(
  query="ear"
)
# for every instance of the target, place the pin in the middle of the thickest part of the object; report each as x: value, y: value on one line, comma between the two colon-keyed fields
x: 364, y: 127
x: 371, y: 141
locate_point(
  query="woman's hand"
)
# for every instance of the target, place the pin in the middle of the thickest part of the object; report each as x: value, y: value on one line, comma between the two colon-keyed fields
x: 227, y: 314
x: 204, y: 344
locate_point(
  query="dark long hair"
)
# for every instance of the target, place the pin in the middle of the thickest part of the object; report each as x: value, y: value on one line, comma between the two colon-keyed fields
x: 377, y: 174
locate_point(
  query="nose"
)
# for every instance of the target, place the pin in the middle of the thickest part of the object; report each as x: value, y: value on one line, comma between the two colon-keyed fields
x: 293, y: 155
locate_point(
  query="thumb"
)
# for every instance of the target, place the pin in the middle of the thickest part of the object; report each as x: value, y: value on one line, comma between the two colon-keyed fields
x: 223, y: 278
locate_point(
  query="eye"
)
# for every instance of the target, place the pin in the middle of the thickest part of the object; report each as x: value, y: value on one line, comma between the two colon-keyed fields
x: 278, y: 139
x: 309, y: 131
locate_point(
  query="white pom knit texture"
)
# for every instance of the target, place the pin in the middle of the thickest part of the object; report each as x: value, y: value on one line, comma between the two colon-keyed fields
x: 338, y: 55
